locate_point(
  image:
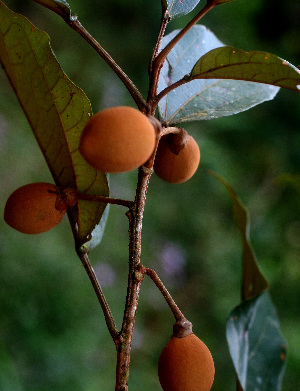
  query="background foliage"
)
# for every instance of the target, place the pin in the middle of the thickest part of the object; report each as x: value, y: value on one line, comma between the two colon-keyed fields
x: 52, y: 332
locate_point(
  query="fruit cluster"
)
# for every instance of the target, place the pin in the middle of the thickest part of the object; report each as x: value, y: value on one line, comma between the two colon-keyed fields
x: 121, y: 139
x: 114, y: 140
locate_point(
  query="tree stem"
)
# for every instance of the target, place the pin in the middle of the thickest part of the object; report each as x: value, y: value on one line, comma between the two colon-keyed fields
x: 135, y: 278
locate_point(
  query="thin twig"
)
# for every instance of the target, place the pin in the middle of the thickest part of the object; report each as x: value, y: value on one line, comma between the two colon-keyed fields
x: 133, y: 90
x: 160, y: 58
x: 163, y: 25
x: 111, y: 325
x: 105, y: 200
x: 171, y: 87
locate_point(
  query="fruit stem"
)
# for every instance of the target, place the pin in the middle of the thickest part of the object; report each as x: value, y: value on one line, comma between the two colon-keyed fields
x: 179, y: 317
x: 105, y: 200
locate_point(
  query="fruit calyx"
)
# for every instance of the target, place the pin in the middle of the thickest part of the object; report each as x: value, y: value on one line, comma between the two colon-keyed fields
x: 182, y: 328
x: 177, y: 140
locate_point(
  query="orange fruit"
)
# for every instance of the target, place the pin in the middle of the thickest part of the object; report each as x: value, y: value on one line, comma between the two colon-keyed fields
x: 186, y: 364
x: 176, y: 168
x: 118, y: 139
x: 31, y: 208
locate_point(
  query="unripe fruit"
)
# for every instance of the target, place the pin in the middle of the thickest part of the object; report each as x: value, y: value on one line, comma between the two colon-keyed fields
x: 118, y: 139
x: 176, y: 168
x: 31, y: 209
x: 186, y: 364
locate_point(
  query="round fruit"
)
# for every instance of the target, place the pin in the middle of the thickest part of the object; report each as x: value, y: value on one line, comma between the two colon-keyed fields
x: 176, y: 168
x: 31, y: 208
x: 118, y: 139
x: 186, y: 364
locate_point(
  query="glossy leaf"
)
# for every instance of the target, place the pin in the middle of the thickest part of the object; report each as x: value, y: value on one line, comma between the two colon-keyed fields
x: 175, y: 8
x: 256, y: 345
x: 261, y: 67
x: 253, y: 280
x: 208, y: 98
x: 56, y: 109
x: 60, y: 7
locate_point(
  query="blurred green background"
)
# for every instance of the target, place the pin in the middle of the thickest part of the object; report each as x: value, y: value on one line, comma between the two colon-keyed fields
x: 52, y: 333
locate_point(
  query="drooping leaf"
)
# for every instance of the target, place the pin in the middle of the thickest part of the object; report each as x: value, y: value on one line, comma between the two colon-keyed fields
x: 208, y: 98
x: 60, y: 7
x: 288, y: 179
x: 256, y: 344
x: 253, y: 280
x: 56, y: 109
x: 175, y: 8
x: 261, y: 67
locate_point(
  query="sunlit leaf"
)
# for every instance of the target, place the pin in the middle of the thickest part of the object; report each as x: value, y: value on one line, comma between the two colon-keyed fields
x: 208, y: 98
x: 56, y: 109
x: 175, y: 8
x: 261, y: 67
x: 253, y: 280
x: 61, y: 7
x: 288, y: 179
x: 256, y: 345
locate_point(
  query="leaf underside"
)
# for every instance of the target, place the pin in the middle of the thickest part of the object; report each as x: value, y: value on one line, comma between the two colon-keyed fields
x: 175, y: 8
x: 208, y: 98
x: 57, y: 111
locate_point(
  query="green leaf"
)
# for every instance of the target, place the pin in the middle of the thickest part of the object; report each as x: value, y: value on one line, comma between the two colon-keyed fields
x: 203, y: 99
x: 57, y: 111
x: 60, y: 7
x: 98, y: 231
x: 256, y: 345
x: 175, y: 8
x: 260, y: 67
x: 288, y: 180
x: 253, y: 280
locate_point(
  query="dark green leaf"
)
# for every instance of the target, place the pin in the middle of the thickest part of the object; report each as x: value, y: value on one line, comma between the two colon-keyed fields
x: 61, y: 7
x: 253, y: 280
x: 56, y: 109
x: 288, y: 179
x: 175, y: 8
x: 260, y: 67
x: 203, y: 99
x: 256, y: 345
